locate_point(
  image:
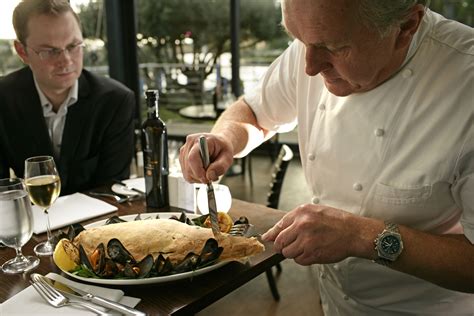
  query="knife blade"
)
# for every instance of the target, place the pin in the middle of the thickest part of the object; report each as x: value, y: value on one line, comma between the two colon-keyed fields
x: 211, y: 198
x: 101, y: 301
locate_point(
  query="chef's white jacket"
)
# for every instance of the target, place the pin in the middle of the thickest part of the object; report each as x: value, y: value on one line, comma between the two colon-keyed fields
x: 402, y: 152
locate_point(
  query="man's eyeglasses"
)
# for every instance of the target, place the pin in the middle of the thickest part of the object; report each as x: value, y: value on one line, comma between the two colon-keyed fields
x: 51, y: 54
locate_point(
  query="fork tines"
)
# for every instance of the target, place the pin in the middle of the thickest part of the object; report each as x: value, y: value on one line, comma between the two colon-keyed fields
x: 239, y: 229
x: 44, y: 289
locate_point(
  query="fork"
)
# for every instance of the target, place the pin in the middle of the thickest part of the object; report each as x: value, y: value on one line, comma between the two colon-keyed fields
x: 240, y: 229
x: 55, y: 298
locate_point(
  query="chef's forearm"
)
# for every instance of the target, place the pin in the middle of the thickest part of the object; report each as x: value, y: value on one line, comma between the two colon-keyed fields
x: 445, y: 260
x: 239, y: 126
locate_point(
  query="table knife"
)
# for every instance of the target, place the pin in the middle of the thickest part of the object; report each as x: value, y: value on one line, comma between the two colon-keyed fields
x: 129, y: 187
x: 104, y: 302
x: 211, y: 198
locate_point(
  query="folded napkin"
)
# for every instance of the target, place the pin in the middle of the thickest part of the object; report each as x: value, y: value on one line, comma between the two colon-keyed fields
x: 70, y: 209
x: 182, y: 194
x: 136, y: 183
x: 29, y: 302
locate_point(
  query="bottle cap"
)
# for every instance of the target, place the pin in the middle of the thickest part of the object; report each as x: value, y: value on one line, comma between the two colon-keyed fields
x: 152, y: 94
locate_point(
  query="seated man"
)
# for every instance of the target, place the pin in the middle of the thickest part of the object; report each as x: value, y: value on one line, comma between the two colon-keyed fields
x: 54, y: 107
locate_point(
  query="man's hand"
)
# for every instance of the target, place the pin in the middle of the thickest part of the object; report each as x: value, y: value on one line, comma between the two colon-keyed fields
x: 220, y: 155
x: 321, y: 234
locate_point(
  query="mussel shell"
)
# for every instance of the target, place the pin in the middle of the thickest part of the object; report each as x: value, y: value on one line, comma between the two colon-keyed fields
x: 145, y: 266
x: 85, y: 259
x: 114, y: 220
x: 210, y: 252
x: 189, y: 263
x: 128, y: 271
x: 110, y: 269
x: 163, y: 266
x: 118, y: 253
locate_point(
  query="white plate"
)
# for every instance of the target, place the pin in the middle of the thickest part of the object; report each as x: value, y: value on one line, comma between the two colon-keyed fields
x: 123, y: 190
x: 161, y: 279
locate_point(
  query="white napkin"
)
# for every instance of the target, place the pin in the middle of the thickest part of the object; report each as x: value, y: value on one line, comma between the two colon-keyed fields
x: 182, y: 194
x: 70, y: 209
x: 136, y: 183
x: 29, y: 302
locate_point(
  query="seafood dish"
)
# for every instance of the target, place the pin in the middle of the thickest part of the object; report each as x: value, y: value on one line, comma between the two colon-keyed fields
x: 150, y: 248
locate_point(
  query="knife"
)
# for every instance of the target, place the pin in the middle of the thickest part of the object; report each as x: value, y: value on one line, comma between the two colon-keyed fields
x: 104, y: 302
x: 211, y: 198
x: 129, y: 187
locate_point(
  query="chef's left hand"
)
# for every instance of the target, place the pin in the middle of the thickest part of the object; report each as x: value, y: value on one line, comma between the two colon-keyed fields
x: 321, y: 234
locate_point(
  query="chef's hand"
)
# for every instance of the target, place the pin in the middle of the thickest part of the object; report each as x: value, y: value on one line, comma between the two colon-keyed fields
x: 220, y: 156
x: 321, y: 234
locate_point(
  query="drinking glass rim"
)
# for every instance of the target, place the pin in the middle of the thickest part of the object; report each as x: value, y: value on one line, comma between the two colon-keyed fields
x: 7, y: 182
x: 39, y: 159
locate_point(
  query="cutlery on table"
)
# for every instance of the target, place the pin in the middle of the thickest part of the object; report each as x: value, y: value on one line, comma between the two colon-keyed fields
x: 127, y: 187
x: 117, y: 198
x: 80, y: 294
x: 211, y: 198
x: 55, y: 298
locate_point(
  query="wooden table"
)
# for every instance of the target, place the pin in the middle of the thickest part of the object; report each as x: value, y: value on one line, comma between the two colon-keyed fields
x: 183, y: 297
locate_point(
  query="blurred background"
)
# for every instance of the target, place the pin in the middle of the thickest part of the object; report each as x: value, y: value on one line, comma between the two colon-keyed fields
x: 184, y: 46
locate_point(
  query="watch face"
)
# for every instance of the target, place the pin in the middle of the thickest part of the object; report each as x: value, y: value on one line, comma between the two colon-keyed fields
x: 390, y: 244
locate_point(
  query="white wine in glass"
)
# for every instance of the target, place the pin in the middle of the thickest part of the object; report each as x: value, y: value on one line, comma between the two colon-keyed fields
x: 44, y: 185
x: 16, y: 226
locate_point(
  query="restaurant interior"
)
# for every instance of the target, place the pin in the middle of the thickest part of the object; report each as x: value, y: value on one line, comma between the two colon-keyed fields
x: 268, y: 176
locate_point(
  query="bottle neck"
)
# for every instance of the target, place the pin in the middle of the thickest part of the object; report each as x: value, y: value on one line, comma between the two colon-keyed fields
x: 153, y: 110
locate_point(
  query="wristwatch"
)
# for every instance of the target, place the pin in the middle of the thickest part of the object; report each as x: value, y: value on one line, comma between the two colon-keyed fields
x: 388, y: 244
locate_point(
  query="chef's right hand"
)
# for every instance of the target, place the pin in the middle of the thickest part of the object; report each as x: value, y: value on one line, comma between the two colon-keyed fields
x: 220, y: 156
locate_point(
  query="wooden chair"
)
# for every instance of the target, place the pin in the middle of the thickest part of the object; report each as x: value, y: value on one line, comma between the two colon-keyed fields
x: 273, y: 198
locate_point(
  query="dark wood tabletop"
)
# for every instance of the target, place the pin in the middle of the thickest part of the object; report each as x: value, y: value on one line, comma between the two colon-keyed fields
x: 183, y: 297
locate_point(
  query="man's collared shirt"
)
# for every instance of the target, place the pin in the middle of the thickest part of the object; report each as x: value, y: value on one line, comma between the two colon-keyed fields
x: 56, y: 121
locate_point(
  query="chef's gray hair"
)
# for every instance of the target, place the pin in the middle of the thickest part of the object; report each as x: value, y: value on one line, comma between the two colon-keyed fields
x: 386, y: 14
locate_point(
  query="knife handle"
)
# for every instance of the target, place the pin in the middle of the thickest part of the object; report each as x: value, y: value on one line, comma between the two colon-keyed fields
x: 204, y: 150
x: 113, y: 305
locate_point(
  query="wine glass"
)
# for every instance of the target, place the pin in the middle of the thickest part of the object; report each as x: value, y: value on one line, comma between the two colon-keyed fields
x: 16, y: 226
x: 43, y: 184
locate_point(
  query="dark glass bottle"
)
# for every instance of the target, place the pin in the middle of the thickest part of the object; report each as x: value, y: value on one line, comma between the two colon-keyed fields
x: 155, y: 154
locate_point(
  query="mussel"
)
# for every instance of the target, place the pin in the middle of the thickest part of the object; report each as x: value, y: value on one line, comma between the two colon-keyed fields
x: 118, y: 253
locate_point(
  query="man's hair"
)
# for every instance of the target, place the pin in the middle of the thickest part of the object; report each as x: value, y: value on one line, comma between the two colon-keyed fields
x: 386, y: 14
x: 29, y: 8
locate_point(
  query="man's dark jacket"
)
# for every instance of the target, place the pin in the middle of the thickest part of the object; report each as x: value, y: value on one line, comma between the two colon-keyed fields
x: 97, y: 143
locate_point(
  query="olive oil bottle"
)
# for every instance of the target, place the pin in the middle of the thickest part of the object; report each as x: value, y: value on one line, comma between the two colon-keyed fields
x: 155, y: 155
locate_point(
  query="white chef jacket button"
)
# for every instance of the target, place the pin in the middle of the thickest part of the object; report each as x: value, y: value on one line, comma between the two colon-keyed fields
x: 379, y: 132
x: 346, y: 298
x: 315, y: 200
x: 407, y: 73
x: 322, y: 107
x: 311, y: 157
x: 357, y: 186
x: 336, y: 267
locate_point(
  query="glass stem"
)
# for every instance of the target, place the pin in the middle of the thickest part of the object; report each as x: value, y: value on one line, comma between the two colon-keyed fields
x: 48, y: 227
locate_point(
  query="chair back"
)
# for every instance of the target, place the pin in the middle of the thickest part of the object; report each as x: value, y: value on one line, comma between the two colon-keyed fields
x: 278, y: 174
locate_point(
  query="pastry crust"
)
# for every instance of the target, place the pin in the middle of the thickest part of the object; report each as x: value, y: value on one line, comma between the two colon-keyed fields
x: 171, y: 238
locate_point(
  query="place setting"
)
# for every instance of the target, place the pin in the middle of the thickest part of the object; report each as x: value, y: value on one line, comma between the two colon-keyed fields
x: 96, y: 262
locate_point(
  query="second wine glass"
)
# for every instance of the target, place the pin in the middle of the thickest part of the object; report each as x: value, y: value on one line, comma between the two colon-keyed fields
x: 44, y: 185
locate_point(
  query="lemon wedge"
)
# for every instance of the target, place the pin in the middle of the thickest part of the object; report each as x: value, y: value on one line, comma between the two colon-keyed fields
x: 224, y: 219
x: 65, y: 255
